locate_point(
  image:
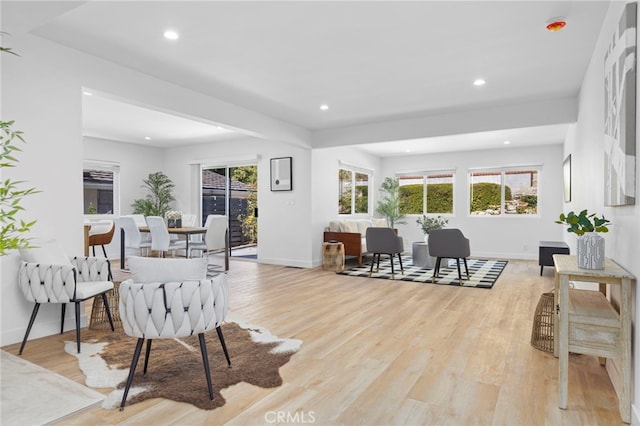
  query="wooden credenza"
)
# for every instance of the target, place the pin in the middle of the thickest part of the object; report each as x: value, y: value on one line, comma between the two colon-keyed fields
x: 587, y: 323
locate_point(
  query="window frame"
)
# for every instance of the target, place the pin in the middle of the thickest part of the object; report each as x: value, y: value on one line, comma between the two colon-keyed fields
x: 503, y: 171
x: 105, y: 166
x: 425, y: 174
x: 355, y: 170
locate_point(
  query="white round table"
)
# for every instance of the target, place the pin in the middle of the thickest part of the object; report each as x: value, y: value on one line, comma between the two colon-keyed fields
x: 420, y: 254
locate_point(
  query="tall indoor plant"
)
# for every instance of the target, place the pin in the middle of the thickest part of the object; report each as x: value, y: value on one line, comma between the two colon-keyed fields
x: 160, y: 195
x: 590, y: 247
x: 389, y: 205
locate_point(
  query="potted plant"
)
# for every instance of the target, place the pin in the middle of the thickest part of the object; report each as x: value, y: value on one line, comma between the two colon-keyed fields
x: 389, y: 205
x: 590, y: 245
x: 156, y: 203
x: 430, y: 223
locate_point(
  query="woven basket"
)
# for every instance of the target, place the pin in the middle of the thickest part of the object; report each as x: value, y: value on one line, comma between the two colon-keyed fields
x: 99, y: 318
x: 542, y: 331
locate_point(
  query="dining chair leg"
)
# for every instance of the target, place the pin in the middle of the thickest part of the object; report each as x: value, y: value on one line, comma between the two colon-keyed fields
x: 146, y: 356
x: 104, y: 250
x: 224, y: 345
x: 466, y: 268
x: 391, y: 259
x: 31, y: 320
x: 78, y: 325
x: 132, y: 370
x: 205, y: 362
x: 64, y: 311
x: 106, y: 308
x: 400, y: 260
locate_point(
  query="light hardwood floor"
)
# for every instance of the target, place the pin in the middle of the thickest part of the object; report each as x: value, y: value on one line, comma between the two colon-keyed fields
x: 378, y: 352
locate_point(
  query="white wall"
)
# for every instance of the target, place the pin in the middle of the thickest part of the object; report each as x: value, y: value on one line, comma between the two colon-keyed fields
x: 502, y: 237
x: 586, y: 146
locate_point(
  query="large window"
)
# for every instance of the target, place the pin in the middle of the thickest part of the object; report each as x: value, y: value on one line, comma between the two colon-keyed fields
x: 353, y: 191
x: 426, y: 193
x: 510, y: 191
x: 100, y: 183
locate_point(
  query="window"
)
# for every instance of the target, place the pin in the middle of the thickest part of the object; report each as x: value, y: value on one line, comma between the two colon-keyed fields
x: 100, y: 183
x: 504, y: 192
x: 426, y: 193
x: 353, y: 191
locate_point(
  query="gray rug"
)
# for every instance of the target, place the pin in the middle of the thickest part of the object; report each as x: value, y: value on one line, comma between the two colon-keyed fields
x: 483, y: 273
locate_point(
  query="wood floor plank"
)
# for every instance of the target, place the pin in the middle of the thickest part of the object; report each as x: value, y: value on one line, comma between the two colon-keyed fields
x: 383, y: 352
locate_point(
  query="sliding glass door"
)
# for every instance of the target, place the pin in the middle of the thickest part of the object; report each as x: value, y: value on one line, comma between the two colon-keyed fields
x: 232, y: 191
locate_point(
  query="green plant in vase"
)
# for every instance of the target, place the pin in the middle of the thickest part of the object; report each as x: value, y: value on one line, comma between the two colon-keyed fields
x: 590, y: 245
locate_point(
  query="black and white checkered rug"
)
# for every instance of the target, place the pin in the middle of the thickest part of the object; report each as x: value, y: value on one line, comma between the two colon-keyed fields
x: 482, y: 273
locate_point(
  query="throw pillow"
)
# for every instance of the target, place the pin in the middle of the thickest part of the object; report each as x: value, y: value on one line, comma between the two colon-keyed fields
x: 153, y: 270
x: 47, y: 252
x: 379, y: 222
x: 351, y: 226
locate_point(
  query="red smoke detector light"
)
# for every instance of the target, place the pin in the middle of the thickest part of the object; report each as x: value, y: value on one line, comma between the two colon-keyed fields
x: 556, y: 25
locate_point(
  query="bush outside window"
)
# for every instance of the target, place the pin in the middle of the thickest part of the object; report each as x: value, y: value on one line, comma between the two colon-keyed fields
x: 429, y: 193
x: 504, y: 192
x: 353, y: 192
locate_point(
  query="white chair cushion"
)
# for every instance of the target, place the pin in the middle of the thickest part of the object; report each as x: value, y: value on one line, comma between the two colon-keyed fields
x: 379, y: 222
x: 156, y: 270
x: 85, y: 290
x: 46, y: 252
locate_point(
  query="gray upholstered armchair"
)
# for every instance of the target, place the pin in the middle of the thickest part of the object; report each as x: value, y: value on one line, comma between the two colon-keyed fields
x: 384, y: 241
x: 449, y: 244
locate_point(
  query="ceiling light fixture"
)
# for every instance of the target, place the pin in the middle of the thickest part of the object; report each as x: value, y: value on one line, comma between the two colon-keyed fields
x: 556, y: 24
x: 147, y: 138
x: 479, y: 82
x: 87, y: 93
x: 324, y: 107
x: 507, y: 142
x: 170, y: 35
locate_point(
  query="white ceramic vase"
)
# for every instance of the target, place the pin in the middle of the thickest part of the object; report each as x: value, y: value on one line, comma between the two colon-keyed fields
x: 590, y: 251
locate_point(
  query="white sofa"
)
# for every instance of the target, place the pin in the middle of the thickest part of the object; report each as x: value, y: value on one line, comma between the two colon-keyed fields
x: 351, y: 232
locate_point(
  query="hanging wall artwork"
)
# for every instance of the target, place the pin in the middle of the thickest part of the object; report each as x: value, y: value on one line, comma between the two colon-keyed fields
x: 620, y: 112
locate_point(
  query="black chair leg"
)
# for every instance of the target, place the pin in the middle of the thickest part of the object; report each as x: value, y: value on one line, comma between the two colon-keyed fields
x: 94, y: 250
x: 436, y: 269
x: 224, y: 345
x: 401, y: 267
x: 391, y: 259
x: 373, y: 260
x: 31, y: 320
x: 459, y: 275
x: 146, y: 356
x: 104, y: 250
x: 205, y: 361
x: 78, y: 325
x: 132, y: 370
x: 106, y: 307
x: 378, y: 264
x: 466, y: 268
x: 64, y: 311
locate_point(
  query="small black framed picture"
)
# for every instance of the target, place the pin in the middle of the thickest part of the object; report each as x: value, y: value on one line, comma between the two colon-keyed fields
x: 281, y: 174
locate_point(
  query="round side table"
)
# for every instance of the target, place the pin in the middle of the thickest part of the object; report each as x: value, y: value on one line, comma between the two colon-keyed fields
x: 420, y: 254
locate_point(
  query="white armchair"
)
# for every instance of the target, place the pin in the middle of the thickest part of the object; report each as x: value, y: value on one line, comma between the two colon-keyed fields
x: 47, y: 275
x: 169, y: 298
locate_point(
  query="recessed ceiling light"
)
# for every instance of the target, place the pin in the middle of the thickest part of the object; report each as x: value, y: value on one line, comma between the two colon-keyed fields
x: 507, y: 142
x: 147, y: 138
x: 479, y: 82
x: 87, y: 93
x: 171, y: 35
x: 324, y: 107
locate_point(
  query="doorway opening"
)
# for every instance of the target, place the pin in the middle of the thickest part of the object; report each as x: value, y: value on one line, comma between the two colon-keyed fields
x: 233, y: 191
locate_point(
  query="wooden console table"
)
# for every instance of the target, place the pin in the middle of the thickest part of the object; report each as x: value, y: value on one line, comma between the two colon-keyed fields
x: 588, y: 323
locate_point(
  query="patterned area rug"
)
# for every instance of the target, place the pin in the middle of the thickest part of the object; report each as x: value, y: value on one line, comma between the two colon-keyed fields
x: 483, y: 273
x: 175, y: 365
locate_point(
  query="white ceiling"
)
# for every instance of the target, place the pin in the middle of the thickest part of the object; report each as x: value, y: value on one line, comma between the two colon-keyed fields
x: 369, y: 61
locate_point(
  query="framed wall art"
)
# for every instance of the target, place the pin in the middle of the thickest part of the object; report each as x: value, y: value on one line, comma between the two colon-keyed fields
x: 620, y: 112
x: 281, y: 176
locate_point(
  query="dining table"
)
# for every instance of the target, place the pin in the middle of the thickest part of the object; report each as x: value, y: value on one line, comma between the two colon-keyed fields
x: 187, y: 231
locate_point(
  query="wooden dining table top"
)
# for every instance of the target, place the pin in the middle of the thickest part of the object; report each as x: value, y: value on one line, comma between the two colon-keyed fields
x: 185, y: 230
